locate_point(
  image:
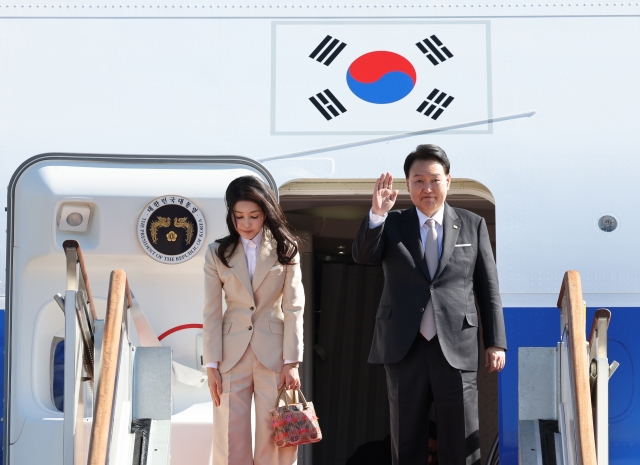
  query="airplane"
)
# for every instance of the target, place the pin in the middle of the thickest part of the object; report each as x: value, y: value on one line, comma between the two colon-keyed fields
x: 111, y: 111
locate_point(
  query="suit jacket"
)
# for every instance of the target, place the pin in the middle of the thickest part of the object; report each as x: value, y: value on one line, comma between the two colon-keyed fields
x: 466, y: 273
x: 266, y: 313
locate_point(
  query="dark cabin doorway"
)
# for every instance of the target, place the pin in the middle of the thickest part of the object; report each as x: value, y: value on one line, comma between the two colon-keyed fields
x: 350, y: 394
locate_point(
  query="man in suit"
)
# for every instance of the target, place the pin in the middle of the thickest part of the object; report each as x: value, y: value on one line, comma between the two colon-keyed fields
x: 437, y: 263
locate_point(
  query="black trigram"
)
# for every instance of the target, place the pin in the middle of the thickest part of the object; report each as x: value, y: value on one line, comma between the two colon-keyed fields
x: 327, y: 49
x: 324, y: 102
x: 435, y: 102
x: 434, y: 50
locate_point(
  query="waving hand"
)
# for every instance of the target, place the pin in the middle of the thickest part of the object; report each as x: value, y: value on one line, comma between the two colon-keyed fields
x: 384, y: 197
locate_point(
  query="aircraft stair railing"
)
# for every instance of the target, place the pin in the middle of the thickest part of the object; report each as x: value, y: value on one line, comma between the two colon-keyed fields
x: 575, y: 417
x: 563, y: 391
x: 82, y: 335
x: 115, y: 359
x: 120, y: 390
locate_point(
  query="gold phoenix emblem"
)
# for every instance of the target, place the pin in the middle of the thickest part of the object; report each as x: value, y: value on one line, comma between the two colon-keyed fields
x: 161, y: 222
x: 188, y: 227
x: 165, y: 222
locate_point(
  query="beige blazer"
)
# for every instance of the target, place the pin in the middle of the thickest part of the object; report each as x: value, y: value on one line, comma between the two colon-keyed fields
x: 266, y: 313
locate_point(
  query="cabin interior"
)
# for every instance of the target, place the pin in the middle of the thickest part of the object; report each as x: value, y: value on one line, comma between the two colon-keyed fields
x: 343, y: 297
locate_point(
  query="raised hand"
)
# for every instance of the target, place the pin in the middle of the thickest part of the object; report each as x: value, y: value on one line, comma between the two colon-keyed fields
x: 384, y: 197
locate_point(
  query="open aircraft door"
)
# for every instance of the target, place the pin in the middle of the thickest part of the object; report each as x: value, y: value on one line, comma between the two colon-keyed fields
x: 151, y: 216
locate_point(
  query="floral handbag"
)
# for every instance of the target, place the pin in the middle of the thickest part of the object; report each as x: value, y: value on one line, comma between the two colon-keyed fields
x: 294, y: 424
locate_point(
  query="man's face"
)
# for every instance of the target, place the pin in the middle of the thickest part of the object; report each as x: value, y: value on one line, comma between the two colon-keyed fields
x: 428, y: 185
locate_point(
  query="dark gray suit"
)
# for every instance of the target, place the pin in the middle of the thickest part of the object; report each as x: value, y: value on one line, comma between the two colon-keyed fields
x: 449, y: 362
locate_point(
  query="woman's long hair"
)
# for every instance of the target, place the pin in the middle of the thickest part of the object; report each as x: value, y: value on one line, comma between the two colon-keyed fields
x: 252, y: 189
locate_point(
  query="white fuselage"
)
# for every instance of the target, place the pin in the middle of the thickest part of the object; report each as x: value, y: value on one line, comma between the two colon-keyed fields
x: 186, y: 79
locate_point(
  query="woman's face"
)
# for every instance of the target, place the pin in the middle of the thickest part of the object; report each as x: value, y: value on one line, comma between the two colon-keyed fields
x: 248, y: 218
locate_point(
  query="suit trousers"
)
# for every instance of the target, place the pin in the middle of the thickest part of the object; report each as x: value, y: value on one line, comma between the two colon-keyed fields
x: 232, y: 419
x: 424, y: 376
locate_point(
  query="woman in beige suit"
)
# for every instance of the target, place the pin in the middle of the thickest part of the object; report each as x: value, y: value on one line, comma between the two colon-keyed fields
x: 253, y: 348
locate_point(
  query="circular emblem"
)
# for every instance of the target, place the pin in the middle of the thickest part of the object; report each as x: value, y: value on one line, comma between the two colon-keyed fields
x: 381, y: 77
x: 171, y: 229
x: 608, y: 223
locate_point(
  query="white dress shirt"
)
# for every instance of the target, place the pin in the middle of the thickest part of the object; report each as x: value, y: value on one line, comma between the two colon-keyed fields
x: 377, y: 220
x: 251, y: 248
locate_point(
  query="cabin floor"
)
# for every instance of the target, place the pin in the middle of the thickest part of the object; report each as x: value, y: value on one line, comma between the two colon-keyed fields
x: 350, y: 394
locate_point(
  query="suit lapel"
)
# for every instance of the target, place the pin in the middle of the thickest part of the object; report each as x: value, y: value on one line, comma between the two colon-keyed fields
x: 264, y: 261
x: 451, y: 226
x: 413, y: 242
x: 238, y: 263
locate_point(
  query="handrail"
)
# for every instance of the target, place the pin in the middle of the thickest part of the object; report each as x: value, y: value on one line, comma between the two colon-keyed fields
x: 80, y: 349
x: 571, y: 300
x: 102, y: 421
x: 71, y: 244
x: 78, y: 281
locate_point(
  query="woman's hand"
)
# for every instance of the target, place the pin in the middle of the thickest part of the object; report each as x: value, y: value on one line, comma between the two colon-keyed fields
x: 215, y: 385
x: 290, y: 378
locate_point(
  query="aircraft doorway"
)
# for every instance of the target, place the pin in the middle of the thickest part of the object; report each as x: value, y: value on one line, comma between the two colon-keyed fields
x: 349, y: 394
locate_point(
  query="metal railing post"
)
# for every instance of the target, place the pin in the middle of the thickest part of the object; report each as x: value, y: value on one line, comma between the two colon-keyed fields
x: 599, y: 373
x: 72, y: 378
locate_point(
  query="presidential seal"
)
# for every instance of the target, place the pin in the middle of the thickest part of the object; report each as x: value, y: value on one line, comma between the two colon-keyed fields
x: 171, y: 229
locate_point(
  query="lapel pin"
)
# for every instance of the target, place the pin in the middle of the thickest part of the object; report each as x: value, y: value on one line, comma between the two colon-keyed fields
x: 455, y: 227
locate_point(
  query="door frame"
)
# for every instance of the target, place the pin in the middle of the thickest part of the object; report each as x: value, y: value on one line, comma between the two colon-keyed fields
x: 106, y: 159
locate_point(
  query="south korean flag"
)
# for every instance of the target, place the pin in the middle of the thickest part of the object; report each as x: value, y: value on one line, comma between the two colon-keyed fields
x: 379, y: 77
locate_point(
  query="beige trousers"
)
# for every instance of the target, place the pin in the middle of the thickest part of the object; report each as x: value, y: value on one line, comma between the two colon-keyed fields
x: 232, y: 419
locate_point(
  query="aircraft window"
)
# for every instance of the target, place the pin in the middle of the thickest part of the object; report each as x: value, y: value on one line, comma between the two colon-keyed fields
x: 608, y: 223
x: 57, y: 373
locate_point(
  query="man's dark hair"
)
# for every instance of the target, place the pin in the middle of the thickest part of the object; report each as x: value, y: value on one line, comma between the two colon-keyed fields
x: 427, y: 152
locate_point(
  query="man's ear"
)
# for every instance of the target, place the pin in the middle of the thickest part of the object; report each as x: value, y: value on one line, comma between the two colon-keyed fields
x: 407, y: 182
x: 448, y: 181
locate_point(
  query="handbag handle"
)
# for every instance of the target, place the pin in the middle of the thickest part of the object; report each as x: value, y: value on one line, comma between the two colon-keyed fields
x: 283, y: 390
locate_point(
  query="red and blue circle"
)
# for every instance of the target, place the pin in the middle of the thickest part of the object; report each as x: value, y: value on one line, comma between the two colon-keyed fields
x: 381, y: 77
